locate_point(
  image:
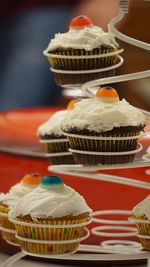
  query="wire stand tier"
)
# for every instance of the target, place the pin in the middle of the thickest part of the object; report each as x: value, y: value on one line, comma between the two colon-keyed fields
x: 115, y: 249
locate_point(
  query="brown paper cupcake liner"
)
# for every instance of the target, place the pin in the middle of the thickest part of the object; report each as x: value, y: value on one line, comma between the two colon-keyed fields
x: 82, y: 63
x: 65, y: 79
x: 68, y: 159
x: 56, y: 147
x: 104, y: 145
x: 95, y: 159
x: 85, y: 150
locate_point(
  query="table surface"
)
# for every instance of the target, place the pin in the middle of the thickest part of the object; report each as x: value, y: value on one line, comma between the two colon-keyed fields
x: 30, y: 262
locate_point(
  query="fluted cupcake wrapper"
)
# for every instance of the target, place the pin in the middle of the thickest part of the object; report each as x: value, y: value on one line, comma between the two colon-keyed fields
x: 75, y: 63
x: 7, y: 227
x: 56, y: 147
x: 67, y: 159
x: 52, y: 148
x: 143, y: 227
x: 83, y: 63
x: 9, y: 237
x: 145, y: 243
x: 95, y: 159
x: 103, y: 145
x: 48, y: 249
x: 4, y: 218
x: 142, y: 224
x: 34, y: 233
x: 65, y: 79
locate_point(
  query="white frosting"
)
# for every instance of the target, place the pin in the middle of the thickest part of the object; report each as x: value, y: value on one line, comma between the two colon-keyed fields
x: 15, y: 193
x: 86, y: 38
x: 52, y: 126
x: 148, y: 150
x: 56, y: 202
x: 99, y: 116
x: 143, y: 208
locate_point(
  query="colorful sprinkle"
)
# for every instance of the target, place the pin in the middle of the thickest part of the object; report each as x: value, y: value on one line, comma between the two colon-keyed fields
x: 50, y: 249
x: 66, y: 230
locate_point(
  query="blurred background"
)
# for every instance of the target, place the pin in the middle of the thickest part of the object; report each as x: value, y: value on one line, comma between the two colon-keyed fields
x: 26, y: 29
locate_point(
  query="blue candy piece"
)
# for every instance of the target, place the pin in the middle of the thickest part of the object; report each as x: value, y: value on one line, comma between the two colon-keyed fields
x: 50, y: 180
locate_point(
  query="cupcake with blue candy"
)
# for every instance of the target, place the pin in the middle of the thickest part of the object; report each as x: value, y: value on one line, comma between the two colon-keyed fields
x: 51, y: 219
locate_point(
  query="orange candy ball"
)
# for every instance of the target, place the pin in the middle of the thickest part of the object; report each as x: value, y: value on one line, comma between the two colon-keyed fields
x: 72, y: 103
x: 80, y: 21
x: 32, y: 179
x: 107, y: 94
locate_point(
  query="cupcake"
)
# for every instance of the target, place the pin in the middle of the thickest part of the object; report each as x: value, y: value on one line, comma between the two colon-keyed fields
x: 55, y: 143
x: 10, y: 199
x: 51, y: 219
x: 85, y: 52
x: 147, y: 155
x: 104, y: 129
x: 141, y: 217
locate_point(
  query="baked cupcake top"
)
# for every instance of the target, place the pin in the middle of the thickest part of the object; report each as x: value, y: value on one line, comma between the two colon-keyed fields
x: 24, y: 187
x: 102, y: 113
x: 142, y: 208
x: 51, y: 199
x: 82, y: 34
x: 52, y: 126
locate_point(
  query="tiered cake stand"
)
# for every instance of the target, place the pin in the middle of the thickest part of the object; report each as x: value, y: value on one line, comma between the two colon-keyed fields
x: 118, y: 247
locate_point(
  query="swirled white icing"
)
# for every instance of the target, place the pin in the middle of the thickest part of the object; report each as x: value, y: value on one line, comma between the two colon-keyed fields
x: 148, y: 150
x: 99, y: 116
x: 52, y: 126
x: 15, y: 193
x: 143, y: 208
x: 86, y: 38
x: 55, y: 202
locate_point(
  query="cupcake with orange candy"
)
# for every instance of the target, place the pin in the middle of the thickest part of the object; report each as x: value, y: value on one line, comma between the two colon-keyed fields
x: 51, y: 219
x: 55, y: 143
x: 9, y: 200
x: 82, y: 53
x: 104, y: 129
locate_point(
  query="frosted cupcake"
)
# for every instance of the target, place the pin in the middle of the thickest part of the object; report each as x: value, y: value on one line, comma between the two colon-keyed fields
x: 147, y: 155
x: 82, y: 53
x: 51, y: 136
x: 104, y: 129
x: 51, y: 219
x: 10, y: 199
x: 141, y: 216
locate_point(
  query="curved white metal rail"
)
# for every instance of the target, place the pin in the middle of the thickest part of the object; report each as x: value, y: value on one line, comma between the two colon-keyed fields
x: 122, y: 36
x: 127, y: 39
x: 11, y: 260
x: 101, y: 177
x: 120, y: 78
